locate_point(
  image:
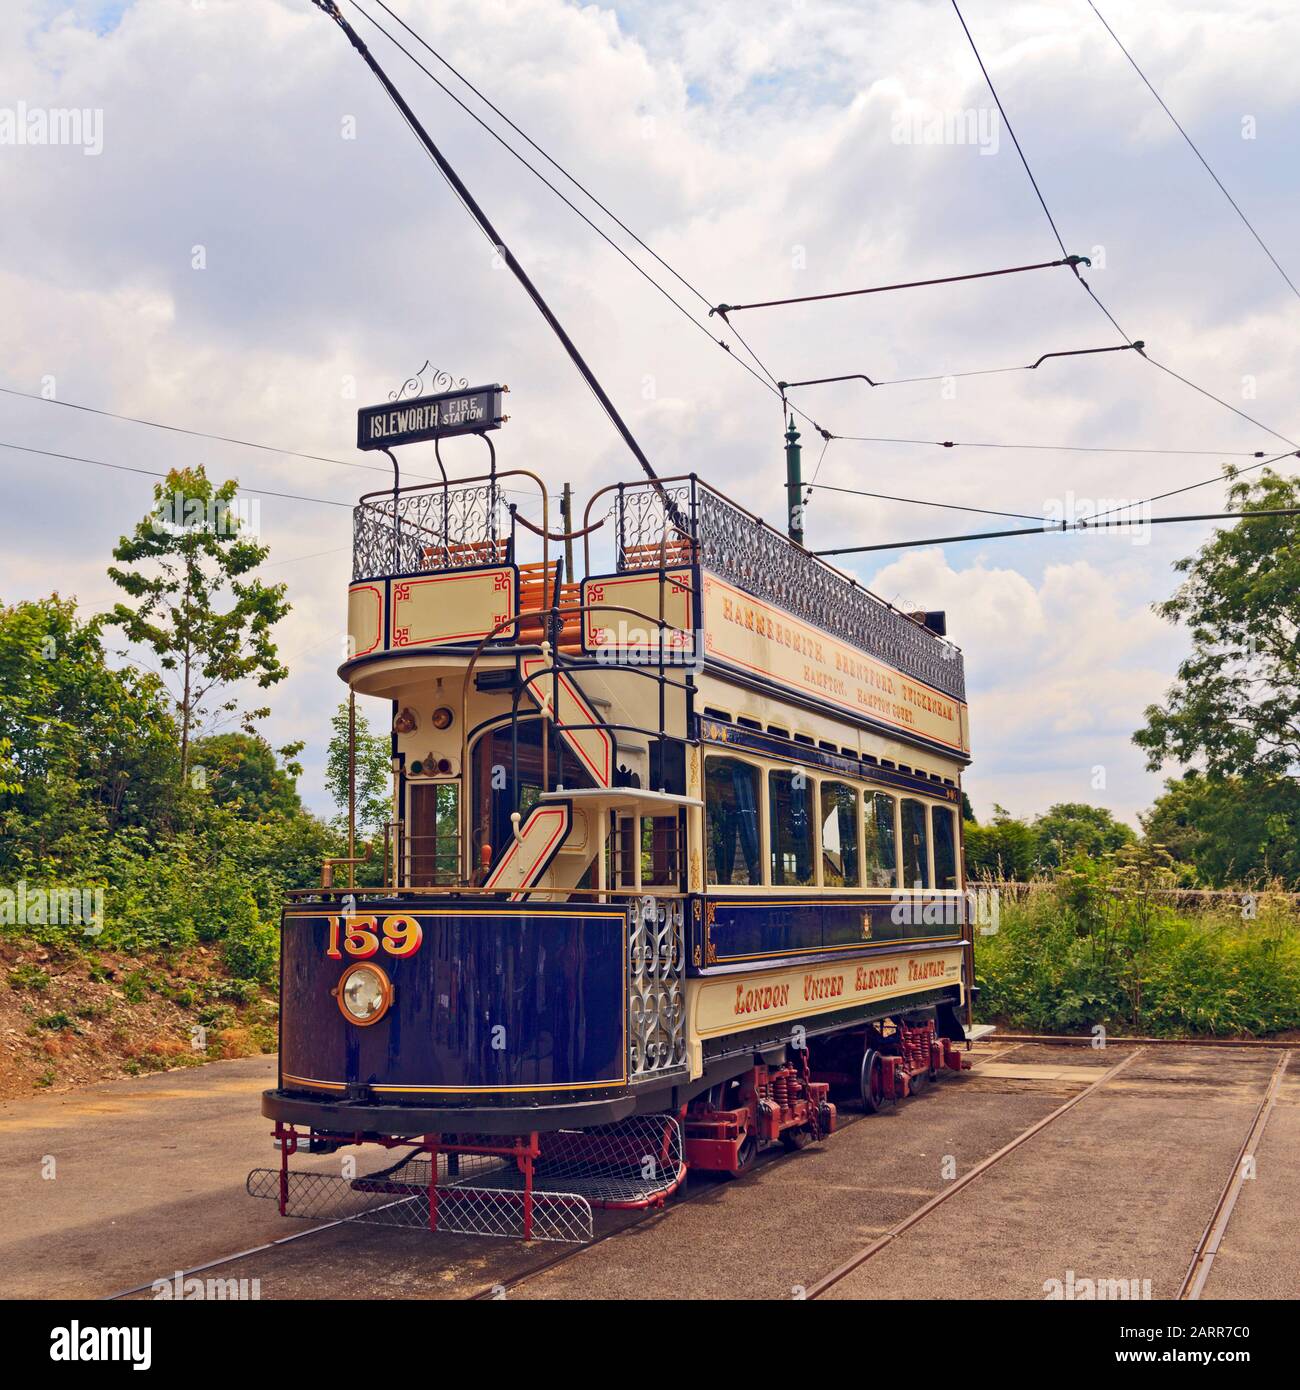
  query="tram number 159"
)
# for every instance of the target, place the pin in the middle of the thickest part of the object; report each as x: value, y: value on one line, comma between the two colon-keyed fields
x: 363, y: 937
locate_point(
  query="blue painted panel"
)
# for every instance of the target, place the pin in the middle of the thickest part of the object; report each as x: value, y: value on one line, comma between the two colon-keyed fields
x: 766, y: 930
x: 493, y: 998
x: 764, y: 927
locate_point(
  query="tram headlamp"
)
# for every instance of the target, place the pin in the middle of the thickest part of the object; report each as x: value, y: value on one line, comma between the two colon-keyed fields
x: 442, y: 718
x: 364, y: 993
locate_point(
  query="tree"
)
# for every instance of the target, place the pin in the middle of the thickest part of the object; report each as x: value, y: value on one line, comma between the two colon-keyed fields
x: 1236, y: 707
x: 1229, y: 830
x: 1074, y: 827
x: 243, y: 771
x: 374, y: 771
x: 187, y: 566
x: 84, y: 748
x: 1004, y: 848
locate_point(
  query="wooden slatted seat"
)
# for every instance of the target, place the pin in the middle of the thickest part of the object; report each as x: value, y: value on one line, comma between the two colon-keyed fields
x: 463, y: 555
x: 537, y: 586
x: 677, y: 552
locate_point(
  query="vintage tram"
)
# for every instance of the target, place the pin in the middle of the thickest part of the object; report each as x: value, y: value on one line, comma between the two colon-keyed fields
x: 675, y: 850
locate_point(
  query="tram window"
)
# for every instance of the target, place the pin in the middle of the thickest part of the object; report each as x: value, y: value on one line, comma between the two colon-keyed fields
x: 839, y: 810
x: 944, y: 823
x: 882, y: 854
x: 497, y: 792
x: 731, y: 810
x: 916, y: 847
x: 789, y: 797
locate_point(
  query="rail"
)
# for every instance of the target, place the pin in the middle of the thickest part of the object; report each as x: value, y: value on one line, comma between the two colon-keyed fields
x: 746, y: 551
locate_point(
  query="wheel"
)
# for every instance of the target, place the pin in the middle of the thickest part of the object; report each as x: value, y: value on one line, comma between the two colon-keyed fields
x: 792, y: 1140
x: 917, y: 1082
x: 872, y: 1083
x: 746, y: 1155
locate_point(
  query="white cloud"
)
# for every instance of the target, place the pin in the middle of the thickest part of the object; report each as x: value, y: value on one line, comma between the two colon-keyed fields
x: 727, y: 135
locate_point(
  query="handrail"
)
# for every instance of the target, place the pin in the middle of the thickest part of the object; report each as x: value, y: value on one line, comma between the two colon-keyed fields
x: 477, y: 890
x: 494, y: 478
x: 556, y: 659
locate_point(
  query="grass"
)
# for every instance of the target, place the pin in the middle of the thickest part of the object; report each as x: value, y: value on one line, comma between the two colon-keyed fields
x: 1097, y: 946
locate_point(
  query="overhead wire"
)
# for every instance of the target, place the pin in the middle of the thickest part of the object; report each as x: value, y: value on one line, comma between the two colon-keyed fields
x: 1229, y: 477
x: 723, y: 310
x: 1191, y: 144
x: 153, y: 473
x: 568, y: 202
x: 918, y: 501
x: 1061, y: 527
x: 1091, y: 292
x: 952, y: 376
x: 1049, y: 448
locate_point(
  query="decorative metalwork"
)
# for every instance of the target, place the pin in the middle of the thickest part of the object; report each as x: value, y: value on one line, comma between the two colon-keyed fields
x: 656, y: 990
x: 428, y: 529
x: 438, y: 380
x: 645, y: 522
x: 746, y: 552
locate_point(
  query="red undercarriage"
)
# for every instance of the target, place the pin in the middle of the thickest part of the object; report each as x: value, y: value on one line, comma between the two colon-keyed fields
x: 722, y: 1129
x: 792, y: 1104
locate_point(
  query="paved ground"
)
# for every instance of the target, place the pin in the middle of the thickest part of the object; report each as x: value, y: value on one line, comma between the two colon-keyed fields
x: 149, y: 1180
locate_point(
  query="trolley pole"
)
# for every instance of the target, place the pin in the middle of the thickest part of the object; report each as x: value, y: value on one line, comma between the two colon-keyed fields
x: 566, y: 512
x: 352, y: 788
x: 794, y: 483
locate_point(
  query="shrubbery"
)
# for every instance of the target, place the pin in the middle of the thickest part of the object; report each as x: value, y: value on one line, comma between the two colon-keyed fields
x: 90, y: 798
x: 1098, y: 946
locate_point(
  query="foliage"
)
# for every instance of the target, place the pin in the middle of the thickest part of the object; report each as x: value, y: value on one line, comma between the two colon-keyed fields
x: 241, y: 771
x: 1229, y: 830
x: 1007, y: 848
x: 1100, y: 946
x: 374, y: 771
x: 87, y: 749
x: 188, y: 567
x: 1235, y: 710
x: 1003, y: 848
x: 1071, y: 828
x: 90, y: 798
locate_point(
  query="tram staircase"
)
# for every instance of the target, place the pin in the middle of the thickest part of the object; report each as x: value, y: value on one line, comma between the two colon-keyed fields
x: 547, y: 847
x: 555, y: 844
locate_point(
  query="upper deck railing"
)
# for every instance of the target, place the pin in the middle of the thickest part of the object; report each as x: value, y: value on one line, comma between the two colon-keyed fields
x: 431, y: 527
x: 744, y: 550
x: 437, y: 527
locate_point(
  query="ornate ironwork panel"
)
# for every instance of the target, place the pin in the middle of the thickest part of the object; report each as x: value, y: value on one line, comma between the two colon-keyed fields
x: 656, y: 989
x: 431, y: 529
x: 745, y: 552
x: 645, y: 520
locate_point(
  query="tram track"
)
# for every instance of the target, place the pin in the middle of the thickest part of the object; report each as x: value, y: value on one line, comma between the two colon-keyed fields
x: 1207, y: 1248
x: 503, y: 1287
x: 959, y: 1184
x: 510, y: 1280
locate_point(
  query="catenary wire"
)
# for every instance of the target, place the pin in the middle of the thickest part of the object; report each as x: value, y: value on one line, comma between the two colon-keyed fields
x: 1061, y: 528
x: 568, y: 202
x: 917, y: 501
x: 1205, y: 482
x: 1192, y: 146
x: 1091, y: 292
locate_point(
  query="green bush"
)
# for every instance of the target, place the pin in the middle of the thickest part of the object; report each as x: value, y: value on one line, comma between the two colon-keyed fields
x: 251, y: 947
x: 1099, y: 946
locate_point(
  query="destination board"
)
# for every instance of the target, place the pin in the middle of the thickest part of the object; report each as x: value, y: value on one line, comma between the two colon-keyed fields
x: 430, y: 417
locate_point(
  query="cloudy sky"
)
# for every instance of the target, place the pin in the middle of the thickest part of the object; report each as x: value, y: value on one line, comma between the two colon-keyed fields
x: 249, y: 242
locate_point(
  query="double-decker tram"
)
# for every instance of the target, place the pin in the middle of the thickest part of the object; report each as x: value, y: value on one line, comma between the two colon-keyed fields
x: 674, y: 863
